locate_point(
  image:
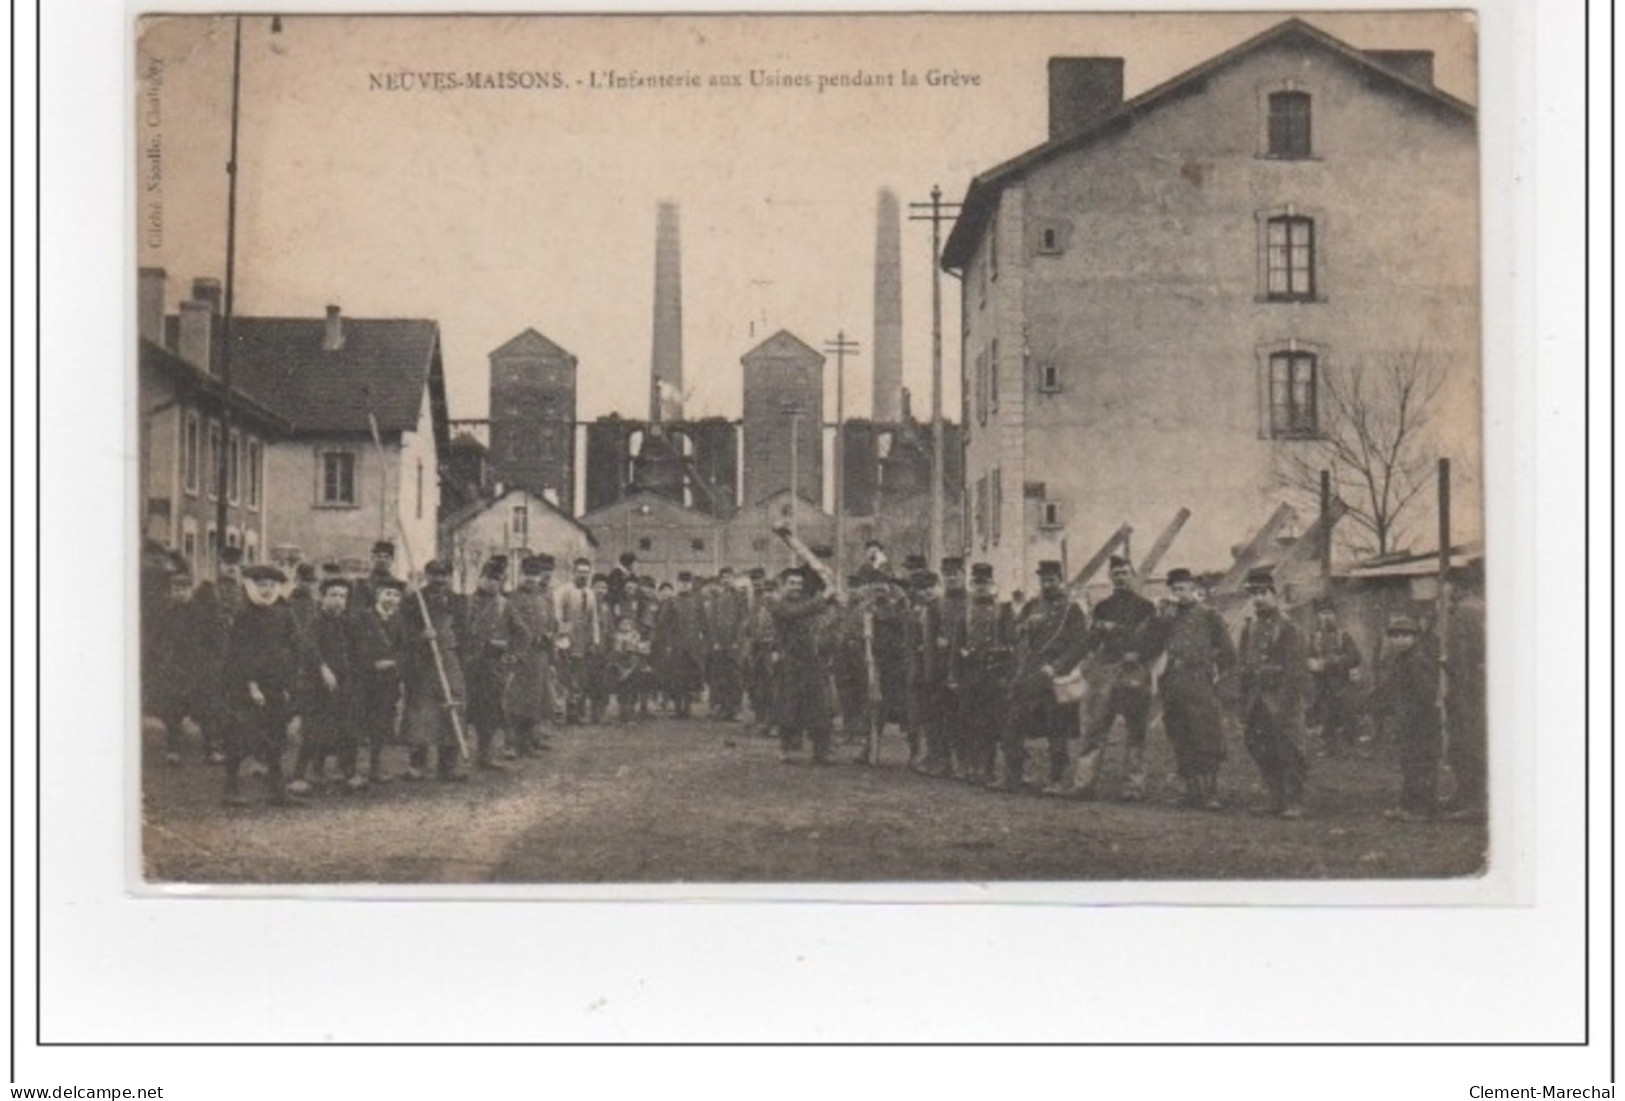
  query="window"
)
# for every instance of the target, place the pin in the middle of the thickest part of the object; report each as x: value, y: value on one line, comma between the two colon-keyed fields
x: 1049, y: 378
x: 189, y: 542
x: 993, y: 247
x: 256, y: 461
x: 232, y: 538
x: 996, y: 505
x: 981, y: 510
x: 645, y: 543
x: 214, y: 459
x: 338, y: 478
x: 981, y: 387
x: 520, y: 526
x: 1289, y: 247
x: 189, y: 453
x: 1289, y: 124
x: 993, y: 376
x: 696, y: 544
x: 758, y: 544
x: 1049, y: 515
x: 251, y: 548
x: 211, y: 541
x: 1049, y: 241
x: 234, y: 467
x: 1292, y: 395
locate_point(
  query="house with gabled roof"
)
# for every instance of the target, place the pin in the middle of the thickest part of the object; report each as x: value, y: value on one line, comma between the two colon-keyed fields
x: 1155, y: 297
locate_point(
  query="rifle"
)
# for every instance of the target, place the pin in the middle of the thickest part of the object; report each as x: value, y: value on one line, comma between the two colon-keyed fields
x: 423, y: 608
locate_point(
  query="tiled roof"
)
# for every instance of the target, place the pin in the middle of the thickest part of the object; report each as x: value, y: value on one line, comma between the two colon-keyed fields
x: 160, y: 360
x: 382, y: 367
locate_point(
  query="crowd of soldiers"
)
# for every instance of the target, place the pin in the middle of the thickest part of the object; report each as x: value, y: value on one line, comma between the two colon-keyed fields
x: 343, y: 666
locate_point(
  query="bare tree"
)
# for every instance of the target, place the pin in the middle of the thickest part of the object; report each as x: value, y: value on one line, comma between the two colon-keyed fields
x: 1373, y: 438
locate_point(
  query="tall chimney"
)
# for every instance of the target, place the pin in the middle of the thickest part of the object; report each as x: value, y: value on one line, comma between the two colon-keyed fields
x: 1082, y: 90
x: 888, y: 343
x: 196, y: 338
x: 333, y: 334
x: 666, y: 362
x: 1414, y: 65
x: 149, y: 304
x: 205, y: 289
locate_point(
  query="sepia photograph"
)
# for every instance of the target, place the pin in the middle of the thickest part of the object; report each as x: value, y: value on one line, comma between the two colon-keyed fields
x: 809, y: 449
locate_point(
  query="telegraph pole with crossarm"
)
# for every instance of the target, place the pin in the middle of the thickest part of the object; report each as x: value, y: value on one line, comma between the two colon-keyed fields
x: 936, y: 212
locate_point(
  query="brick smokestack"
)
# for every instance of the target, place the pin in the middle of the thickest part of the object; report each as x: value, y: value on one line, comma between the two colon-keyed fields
x: 196, y: 339
x: 1082, y: 90
x: 888, y: 342
x: 149, y: 304
x: 333, y: 333
x: 666, y: 361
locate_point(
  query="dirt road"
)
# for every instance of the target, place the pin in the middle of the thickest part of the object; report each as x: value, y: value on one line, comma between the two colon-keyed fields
x: 697, y: 801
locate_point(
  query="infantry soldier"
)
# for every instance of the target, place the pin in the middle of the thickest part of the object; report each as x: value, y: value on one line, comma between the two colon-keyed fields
x: 926, y: 753
x: 1334, y: 662
x: 598, y: 672
x: 223, y: 599
x: 1406, y: 707
x: 261, y: 680
x: 304, y: 597
x: 725, y: 630
x: 1050, y: 641
x: 579, y: 632
x: 485, y: 657
x: 376, y: 657
x: 177, y: 661
x: 803, y: 700
x: 430, y: 702
x: 984, y: 665
x: 1199, y: 652
x: 948, y: 754
x: 529, y: 698
x: 680, y: 645
x: 760, y: 640
x: 1465, y: 688
x: 849, y: 664
x: 1119, y: 683
x: 1274, y: 677
x: 329, y: 715
x: 364, y: 593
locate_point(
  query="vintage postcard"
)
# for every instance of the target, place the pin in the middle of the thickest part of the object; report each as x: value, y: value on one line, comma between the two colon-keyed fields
x: 799, y: 449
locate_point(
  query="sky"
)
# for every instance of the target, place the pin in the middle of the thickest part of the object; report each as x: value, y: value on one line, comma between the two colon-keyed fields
x: 493, y: 210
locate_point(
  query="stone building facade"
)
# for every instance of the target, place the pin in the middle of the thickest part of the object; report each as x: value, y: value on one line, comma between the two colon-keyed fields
x: 1153, y: 298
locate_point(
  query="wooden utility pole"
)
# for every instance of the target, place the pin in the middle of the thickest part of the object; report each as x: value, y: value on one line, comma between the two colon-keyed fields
x: 1153, y: 557
x: 939, y: 212
x: 1092, y: 567
x: 1326, y: 507
x: 840, y: 348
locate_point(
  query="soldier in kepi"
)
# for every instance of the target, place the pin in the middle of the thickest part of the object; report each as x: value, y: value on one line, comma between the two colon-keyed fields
x: 1199, y: 653
x: 485, y: 658
x: 982, y: 667
x: 1050, y: 641
x: 1274, y: 679
x: 529, y: 696
x: 1334, y: 663
x: 433, y: 676
x: 1119, y: 684
x: 803, y: 704
x: 946, y: 756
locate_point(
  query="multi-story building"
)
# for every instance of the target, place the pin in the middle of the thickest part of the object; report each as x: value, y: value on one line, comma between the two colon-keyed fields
x: 533, y: 411
x: 185, y: 415
x: 783, y: 415
x: 1154, y: 298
